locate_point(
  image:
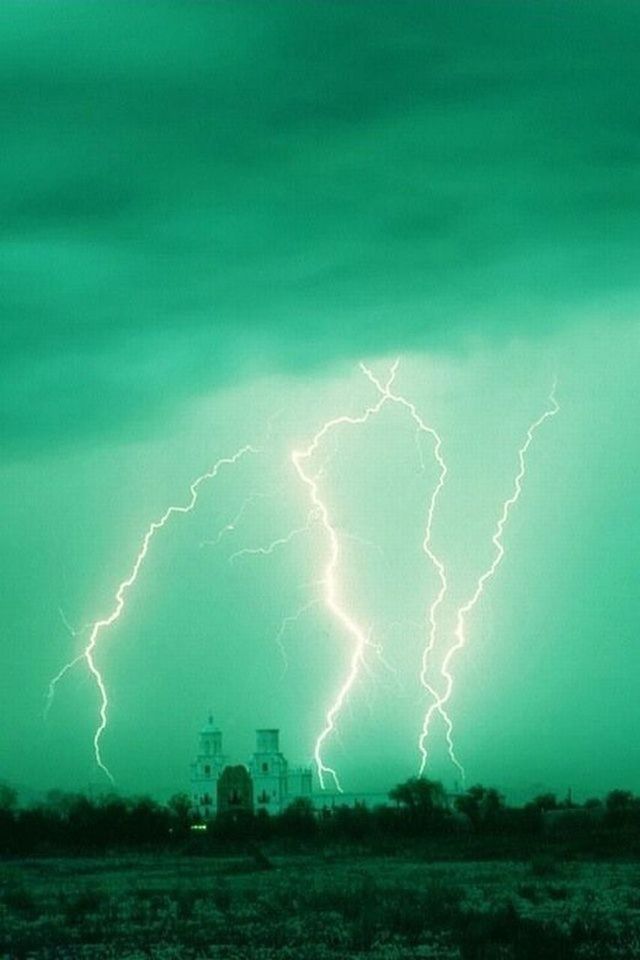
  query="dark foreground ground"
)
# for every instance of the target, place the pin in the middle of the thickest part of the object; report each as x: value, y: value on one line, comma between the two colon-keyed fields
x: 320, y: 906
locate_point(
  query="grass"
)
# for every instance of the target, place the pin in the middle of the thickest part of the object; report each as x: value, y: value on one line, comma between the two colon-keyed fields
x: 316, y: 908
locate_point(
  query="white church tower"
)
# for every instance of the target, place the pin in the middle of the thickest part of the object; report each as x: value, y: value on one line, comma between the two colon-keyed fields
x: 268, y: 769
x: 206, y: 769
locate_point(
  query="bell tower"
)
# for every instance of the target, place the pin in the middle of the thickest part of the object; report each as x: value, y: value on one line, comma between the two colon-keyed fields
x: 206, y: 769
x: 268, y: 769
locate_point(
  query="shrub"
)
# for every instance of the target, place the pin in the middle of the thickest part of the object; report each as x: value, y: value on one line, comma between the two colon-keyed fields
x: 505, y: 934
x: 19, y: 901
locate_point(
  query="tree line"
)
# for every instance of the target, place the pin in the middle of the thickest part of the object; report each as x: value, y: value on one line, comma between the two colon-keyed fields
x: 475, y: 823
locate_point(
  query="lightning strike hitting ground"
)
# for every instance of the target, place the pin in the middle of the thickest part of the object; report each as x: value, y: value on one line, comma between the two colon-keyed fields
x: 332, y: 594
x: 424, y: 428
x: 99, y: 626
x: 466, y: 608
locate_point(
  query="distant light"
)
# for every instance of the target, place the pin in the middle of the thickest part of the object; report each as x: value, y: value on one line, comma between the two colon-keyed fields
x: 198, y: 826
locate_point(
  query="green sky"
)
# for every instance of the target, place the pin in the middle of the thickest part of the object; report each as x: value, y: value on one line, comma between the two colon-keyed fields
x: 211, y: 212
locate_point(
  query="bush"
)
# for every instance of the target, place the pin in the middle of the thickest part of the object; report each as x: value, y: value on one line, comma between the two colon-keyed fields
x: 505, y: 934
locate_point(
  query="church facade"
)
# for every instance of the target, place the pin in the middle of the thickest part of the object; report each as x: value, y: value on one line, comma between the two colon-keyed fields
x: 269, y: 784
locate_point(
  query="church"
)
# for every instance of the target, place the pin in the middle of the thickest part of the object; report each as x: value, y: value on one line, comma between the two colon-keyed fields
x: 266, y: 783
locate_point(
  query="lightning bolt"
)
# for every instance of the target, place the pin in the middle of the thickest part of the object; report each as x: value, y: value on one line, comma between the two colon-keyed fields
x: 68, y: 666
x: 466, y: 608
x: 53, y: 683
x: 72, y: 630
x: 268, y: 549
x: 99, y: 626
x: 233, y: 523
x: 421, y: 429
x: 284, y: 626
x: 280, y: 542
x: 332, y: 593
x: 378, y: 648
x: 333, y: 598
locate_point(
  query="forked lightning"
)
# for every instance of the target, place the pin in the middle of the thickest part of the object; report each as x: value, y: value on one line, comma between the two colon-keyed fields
x: 466, y: 608
x: 99, y: 626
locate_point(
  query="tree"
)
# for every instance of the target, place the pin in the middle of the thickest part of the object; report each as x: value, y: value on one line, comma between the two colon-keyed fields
x: 418, y: 793
x: 424, y: 802
x: 298, y: 819
x: 621, y: 807
x: 619, y: 801
x: 482, y: 805
x: 8, y: 802
x: 148, y: 823
x: 180, y: 807
x: 8, y: 798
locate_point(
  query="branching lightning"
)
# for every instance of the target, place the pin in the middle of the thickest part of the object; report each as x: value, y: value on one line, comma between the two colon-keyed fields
x: 332, y: 593
x: 424, y: 428
x: 53, y: 683
x: 320, y: 520
x: 68, y: 666
x: 279, y: 542
x: 333, y: 597
x: 232, y: 524
x: 284, y: 626
x: 466, y: 608
x: 72, y: 630
x: 99, y: 626
x: 378, y: 648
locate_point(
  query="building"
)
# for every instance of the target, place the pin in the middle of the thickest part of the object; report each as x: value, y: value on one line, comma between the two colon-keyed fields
x: 206, y: 770
x: 268, y: 769
x: 235, y: 790
x: 217, y: 786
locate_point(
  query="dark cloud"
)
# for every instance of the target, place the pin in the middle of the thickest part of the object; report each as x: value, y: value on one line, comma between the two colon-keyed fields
x: 195, y: 189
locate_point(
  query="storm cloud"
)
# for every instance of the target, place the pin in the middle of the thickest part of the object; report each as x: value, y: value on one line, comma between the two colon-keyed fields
x: 193, y: 191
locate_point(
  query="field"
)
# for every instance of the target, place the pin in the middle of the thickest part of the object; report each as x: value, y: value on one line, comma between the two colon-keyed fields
x: 321, y: 907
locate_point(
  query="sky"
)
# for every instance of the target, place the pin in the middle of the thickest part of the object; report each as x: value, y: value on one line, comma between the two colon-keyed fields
x: 212, y: 212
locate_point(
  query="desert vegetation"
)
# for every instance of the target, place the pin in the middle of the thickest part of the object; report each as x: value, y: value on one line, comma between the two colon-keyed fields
x: 421, y: 877
x: 318, y: 907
